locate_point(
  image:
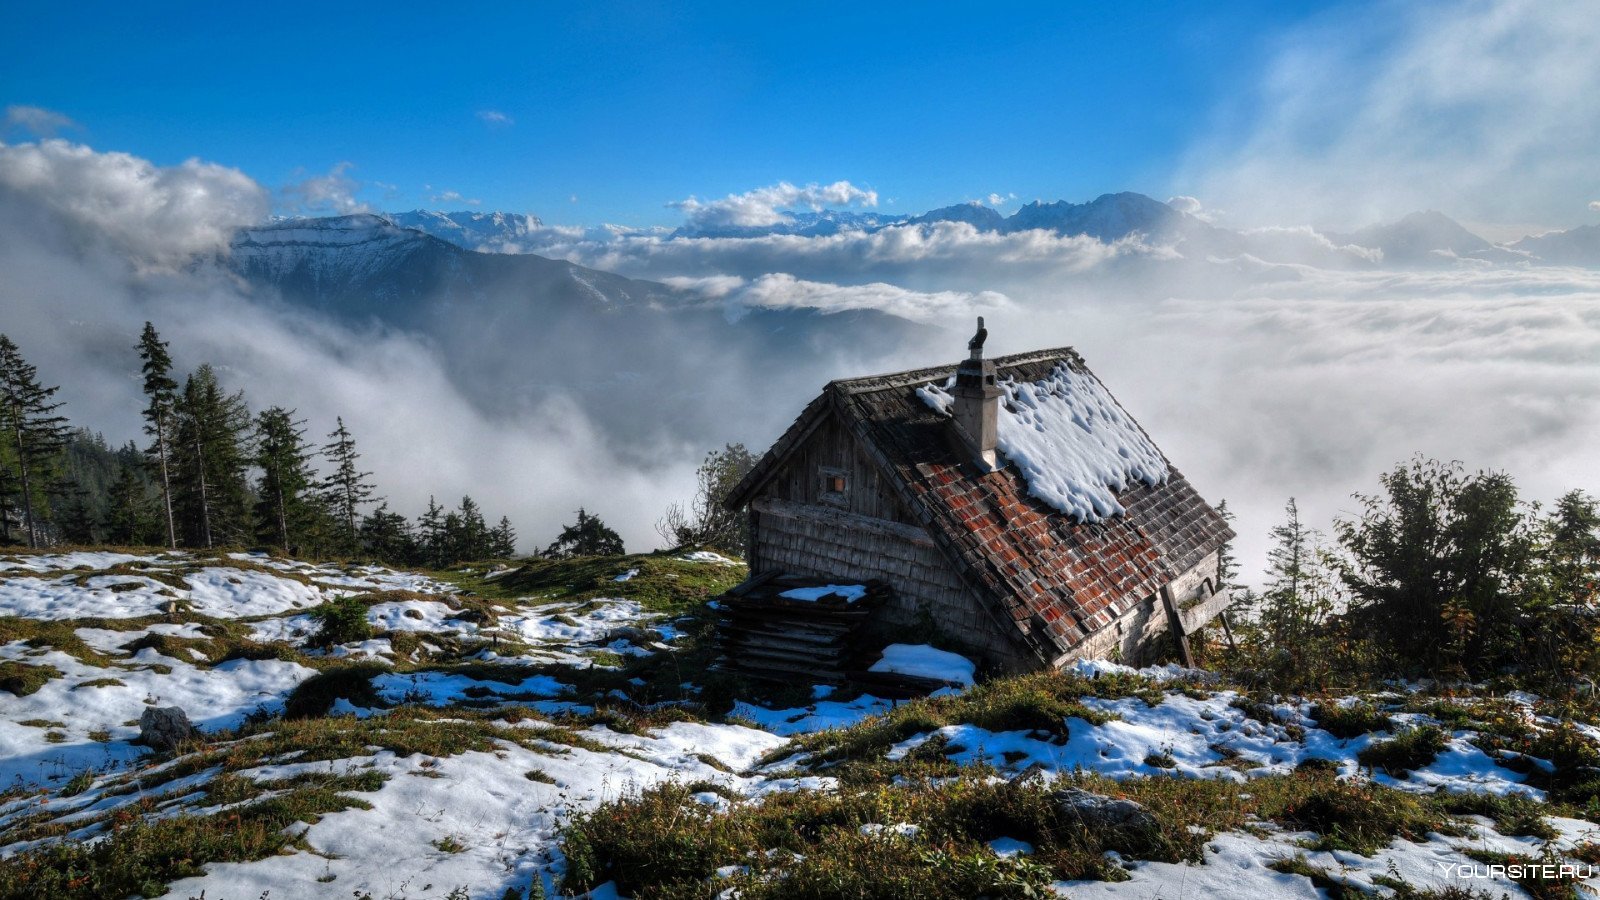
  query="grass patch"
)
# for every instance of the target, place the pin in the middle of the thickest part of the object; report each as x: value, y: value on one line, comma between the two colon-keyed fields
x: 1040, y: 703
x: 313, y: 697
x: 1528, y: 872
x: 662, y: 842
x: 22, y: 679
x: 1513, y: 814
x: 139, y: 856
x: 1411, y: 749
x: 1352, y: 720
x: 663, y: 584
x: 1360, y: 817
x: 1332, y: 887
x: 59, y: 634
x: 99, y: 683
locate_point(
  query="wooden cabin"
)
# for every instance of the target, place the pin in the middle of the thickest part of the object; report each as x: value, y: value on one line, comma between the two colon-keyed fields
x: 1013, y: 500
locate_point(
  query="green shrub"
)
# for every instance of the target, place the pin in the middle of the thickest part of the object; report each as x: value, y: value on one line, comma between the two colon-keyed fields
x: 1350, y: 721
x: 1412, y: 749
x: 344, y: 619
x: 314, y: 696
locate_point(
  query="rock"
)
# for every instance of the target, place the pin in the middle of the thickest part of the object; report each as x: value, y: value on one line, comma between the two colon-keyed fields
x: 165, y: 729
x: 1099, y: 811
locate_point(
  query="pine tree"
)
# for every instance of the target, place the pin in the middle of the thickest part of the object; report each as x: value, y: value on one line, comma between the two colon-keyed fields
x: 431, y: 534
x: 33, y: 435
x: 210, y: 455
x: 1296, y: 600
x: 503, y: 541
x: 347, y: 489
x: 159, y: 414
x: 387, y: 537
x: 1572, y: 549
x: 472, y: 541
x: 588, y: 537
x: 285, y: 509
x: 129, y: 514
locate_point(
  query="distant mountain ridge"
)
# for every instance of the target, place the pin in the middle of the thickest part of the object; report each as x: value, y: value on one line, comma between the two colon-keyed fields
x: 1426, y: 239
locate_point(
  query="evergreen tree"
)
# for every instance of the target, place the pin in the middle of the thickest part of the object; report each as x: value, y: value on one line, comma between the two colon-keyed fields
x: 161, y: 393
x: 32, y: 436
x: 211, y: 495
x: 387, y: 537
x: 503, y: 541
x: 1298, y: 599
x: 286, y: 511
x: 472, y: 538
x: 1572, y: 549
x: 346, y: 489
x: 588, y: 537
x: 1441, y: 566
x: 130, y: 517
x: 431, y: 534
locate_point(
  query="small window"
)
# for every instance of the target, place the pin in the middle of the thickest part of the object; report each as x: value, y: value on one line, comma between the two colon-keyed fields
x: 835, y: 486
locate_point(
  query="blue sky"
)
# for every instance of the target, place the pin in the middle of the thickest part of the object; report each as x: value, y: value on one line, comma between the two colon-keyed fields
x: 626, y: 107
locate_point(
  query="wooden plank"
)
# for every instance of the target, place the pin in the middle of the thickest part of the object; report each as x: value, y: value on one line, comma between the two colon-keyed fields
x: 1175, y: 625
x: 1198, y: 615
x: 830, y: 518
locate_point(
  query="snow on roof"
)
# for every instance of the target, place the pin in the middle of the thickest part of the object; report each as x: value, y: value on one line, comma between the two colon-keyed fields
x: 1074, y: 445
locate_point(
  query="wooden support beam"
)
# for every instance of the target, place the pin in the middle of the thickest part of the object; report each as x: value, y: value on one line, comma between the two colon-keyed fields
x: 1175, y: 625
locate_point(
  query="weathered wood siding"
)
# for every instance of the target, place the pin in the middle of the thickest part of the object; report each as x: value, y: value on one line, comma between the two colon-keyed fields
x: 831, y: 449
x: 825, y: 542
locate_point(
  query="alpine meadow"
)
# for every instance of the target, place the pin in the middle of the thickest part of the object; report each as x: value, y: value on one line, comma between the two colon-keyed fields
x: 710, y: 450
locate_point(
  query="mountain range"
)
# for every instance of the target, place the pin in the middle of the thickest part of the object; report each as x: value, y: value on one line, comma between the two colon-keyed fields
x: 1421, y: 239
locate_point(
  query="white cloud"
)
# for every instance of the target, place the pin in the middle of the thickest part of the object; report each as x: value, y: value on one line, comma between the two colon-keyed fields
x: 1184, y: 204
x: 159, y: 216
x: 782, y: 291
x: 1486, y: 110
x: 998, y: 199
x: 37, y: 120
x: 764, y: 206
x: 333, y: 193
x: 495, y: 118
x: 453, y: 197
x: 1594, y: 205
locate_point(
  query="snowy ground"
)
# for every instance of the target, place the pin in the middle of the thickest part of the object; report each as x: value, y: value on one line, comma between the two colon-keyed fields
x: 488, y: 817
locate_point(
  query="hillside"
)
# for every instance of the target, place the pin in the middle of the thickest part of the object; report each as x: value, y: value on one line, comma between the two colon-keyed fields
x: 477, y: 731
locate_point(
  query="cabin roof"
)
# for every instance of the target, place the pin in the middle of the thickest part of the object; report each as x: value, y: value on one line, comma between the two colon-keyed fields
x: 1056, y: 579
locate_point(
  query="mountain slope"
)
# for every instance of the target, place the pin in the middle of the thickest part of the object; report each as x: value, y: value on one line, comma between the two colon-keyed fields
x: 487, y: 231
x: 1578, y: 247
x: 364, y: 265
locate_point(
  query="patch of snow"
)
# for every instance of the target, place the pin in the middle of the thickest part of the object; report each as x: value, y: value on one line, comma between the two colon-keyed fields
x: 850, y: 592
x: 627, y: 576
x: 815, y: 717
x: 55, y: 562
x: 923, y: 661
x: 1007, y: 847
x: 227, y: 593
x: 708, y: 556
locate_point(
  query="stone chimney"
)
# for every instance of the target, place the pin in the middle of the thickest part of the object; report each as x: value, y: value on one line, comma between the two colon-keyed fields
x: 977, y: 403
